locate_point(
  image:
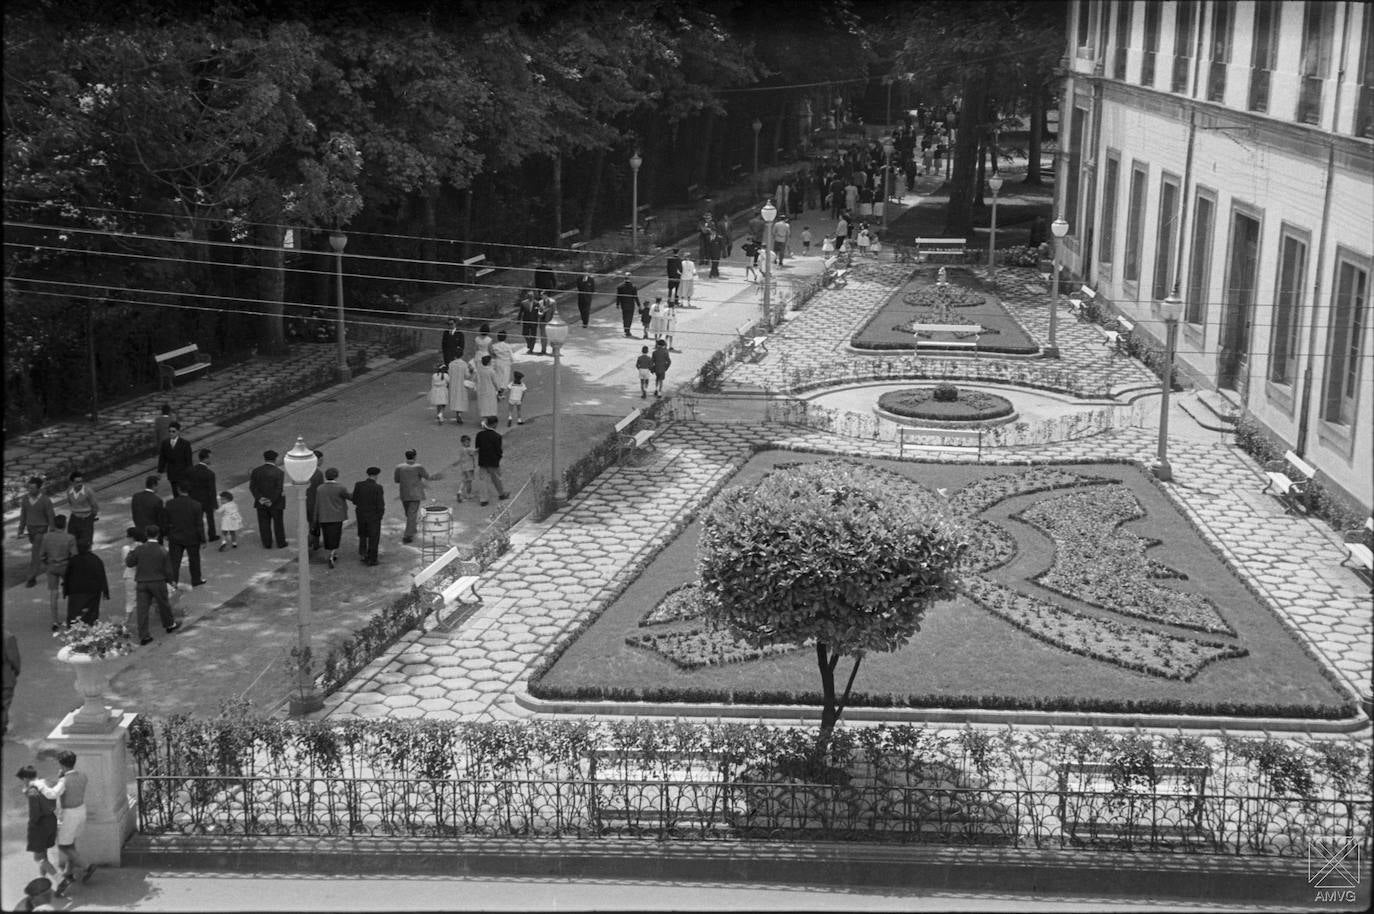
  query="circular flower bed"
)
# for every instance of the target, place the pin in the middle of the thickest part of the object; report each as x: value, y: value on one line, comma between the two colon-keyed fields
x: 921, y: 403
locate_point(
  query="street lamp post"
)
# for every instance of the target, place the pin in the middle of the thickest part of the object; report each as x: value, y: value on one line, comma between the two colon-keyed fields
x: 769, y: 213
x: 995, y: 185
x: 337, y: 240
x: 635, y: 162
x: 557, y: 331
x: 300, y: 464
x: 887, y: 173
x: 1170, y: 309
x: 1059, y: 228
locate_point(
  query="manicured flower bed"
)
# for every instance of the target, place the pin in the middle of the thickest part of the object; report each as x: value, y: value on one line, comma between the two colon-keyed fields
x: 921, y: 403
x: 890, y: 326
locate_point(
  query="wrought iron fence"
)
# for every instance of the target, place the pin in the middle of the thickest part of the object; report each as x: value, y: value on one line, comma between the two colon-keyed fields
x: 719, y: 809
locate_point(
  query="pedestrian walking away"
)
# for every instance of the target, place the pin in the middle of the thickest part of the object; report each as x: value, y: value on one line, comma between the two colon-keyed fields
x: 547, y: 306
x: 674, y: 268
x: 782, y: 232
x: 689, y: 281
x: 229, y: 519
x: 411, y: 476
x: 36, y: 516
x: 438, y: 391
x: 152, y: 570
x: 55, y: 552
x: 369, y: 504
x: 42, y: 829
x: 203, y: 487
x: 627, y: 296
x: 645, y: 366
x: 806, y: 240
x: 185, y: 536
x: 527, y: 308
x: 467, y: 467
x: 70, y: 794
x: 670, y: 326
x: 451, y: 343
x: 502, y: 362
x: 266, y: 484
x: 586, y: 288
x: 481, y: 344
x: 174, y: 459
x: 646, y: 316
x: 661, y: 361
x: 331, y: 510
x: 484, y: 382
x: 85, y: 583
x: 489, y: 452
x: 132, y: 537
x: 9, y: 678
x: 311, y: 487
x: 515, y: 400
x: 84, y: 508
x: 459, y: 385
x: 751, y: 262
x: 145, y: 507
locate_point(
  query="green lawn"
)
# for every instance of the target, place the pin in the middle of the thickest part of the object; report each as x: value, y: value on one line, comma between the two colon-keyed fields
x: 889, y: 327
x: 1231, y: 654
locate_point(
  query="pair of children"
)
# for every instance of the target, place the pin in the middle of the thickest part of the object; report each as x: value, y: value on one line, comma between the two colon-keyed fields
x: 655, y: 365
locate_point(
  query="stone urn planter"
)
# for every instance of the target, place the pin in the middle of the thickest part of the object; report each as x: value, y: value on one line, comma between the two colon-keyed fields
x: 93, y: 676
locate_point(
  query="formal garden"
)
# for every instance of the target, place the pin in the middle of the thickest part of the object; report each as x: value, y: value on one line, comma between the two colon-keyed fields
x: 962, y: 299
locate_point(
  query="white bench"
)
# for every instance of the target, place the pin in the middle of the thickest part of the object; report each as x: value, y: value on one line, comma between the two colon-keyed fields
x: 975, y: 329
x: 1356, y: 549
x: 754, y: 348
x: 1079, y: 302
x: 1116, y: 339
x: 834, y: 274
x: 177, y: 363
x: 925, y: 247
x: 1289, y: 478
x: 634, y: 442
x: 466, y: 582
x: 932, y: 438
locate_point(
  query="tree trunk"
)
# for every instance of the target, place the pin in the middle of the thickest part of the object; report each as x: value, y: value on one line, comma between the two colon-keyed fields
x: 557, y: 240
x: 429, y: 248
x: 829, y: 715
x: 271, y: 288
x: 778, y: 133
x: 1037, y: 125
x: 958, y: 214
x: 708, y: 123
x: 594, y: 194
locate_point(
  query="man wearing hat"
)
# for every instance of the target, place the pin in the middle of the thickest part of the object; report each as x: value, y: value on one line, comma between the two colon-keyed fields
x: 37, y: 896
x: 627, y: 296
x: 369, y: 503
x: 267, y: 486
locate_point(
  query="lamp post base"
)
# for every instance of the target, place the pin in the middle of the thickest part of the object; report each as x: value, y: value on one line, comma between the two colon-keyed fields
x: 308, y: 704
x: 1162, y: 471
x: 343, y: 372
x: 1050, y: 352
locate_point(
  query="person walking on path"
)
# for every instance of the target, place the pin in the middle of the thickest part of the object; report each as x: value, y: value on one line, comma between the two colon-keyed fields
x: 55, y: 552
x: 515, y: 399
x: 670, y: 326
x: 644, y: 365
x: 481, y: 344
x: 438, y: 391
x: 202, y: 486
x: 230, y: 520
x: 484, y: 381
x: 658, y: 318
x: 185, y: 536
x: 369, y: 504
x: 84, y: 508
x: 751, y: 259
x: 152, y: 569
x: 145, y: 507
x: 782, y: 231
x: 411, y: 476
x: 42, y: 830
x: 9, y: 678
x: 132, y: 537
x: 502, y: 362
x: 674, y: 268
x: 528, y: 309
x: 627, y: 296
x: 266, y: 485
x: 85, y: 583
x: 162, y: 425
x: 586, y: 288
x: 174, y: 459
x: 70, y: 794
x: 545, y: 280
x: 36, y: 517
x: 715, y: 247
x: 451, y: 343
x: 661, y: 361
x: 311, y: 487
x: 646, y: 316
x: 467, y: 467
x: 689, y: 281
x: 546, y: 309
x: 459, y: 383
x: 331, y: 510
x: 489, y: 450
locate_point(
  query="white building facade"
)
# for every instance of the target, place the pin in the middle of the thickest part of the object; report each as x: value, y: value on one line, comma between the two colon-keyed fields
x: 1228, y: 148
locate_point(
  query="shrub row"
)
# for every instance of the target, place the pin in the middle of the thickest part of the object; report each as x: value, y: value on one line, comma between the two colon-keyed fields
x: 1322, y: 501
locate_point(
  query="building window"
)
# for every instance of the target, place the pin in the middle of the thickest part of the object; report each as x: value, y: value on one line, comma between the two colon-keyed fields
x: 1238, y: 299
x: 1185, y: 19
x: 1222, y: 19
x: 1263, y: 53
x: 1348, y: 318
x: 1164, y: 237
x: 1123, y: 39
x: 1135, y: 222
x: 1151, y: 44
x: 1084, y: 33
x: 1200, y: 260
x: 1109, y: 186
x: 1074, y: 165
x: 1364, y: 108
x: 1283, y: 343
x: 1318, y: 24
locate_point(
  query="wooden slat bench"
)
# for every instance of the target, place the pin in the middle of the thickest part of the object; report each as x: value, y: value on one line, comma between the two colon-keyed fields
x: 925, y: 248
x: 933, y: 440
x: 1289, y: 478
x: 1086, y: 296
x: 1117, y: 339
x: 465, y: 583
x: 974, y: 329
x: 1357, y: 547
x: 636, y: 442
x: 178, y: 363
x: 754, y: 348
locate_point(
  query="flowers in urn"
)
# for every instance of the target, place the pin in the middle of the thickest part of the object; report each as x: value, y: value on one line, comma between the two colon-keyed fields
x: 101, y: 641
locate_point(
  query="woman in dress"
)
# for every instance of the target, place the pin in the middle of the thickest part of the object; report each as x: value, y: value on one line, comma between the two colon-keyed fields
x: 438, y: 391
x: 485, y: 379
x: 689, y: 279
x: 459, y: 377
x: 482, y: 344
x: 503, y: 361
x: 658, y: 319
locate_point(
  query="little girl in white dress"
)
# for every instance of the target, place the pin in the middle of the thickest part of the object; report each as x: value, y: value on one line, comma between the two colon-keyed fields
x: 228, y: 520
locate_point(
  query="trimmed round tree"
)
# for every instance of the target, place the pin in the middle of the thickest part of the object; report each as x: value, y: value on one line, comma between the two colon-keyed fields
x: 837, y: 553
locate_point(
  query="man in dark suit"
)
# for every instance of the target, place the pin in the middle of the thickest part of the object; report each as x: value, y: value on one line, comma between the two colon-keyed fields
x: 451, y: 342
x: 674, y: 274
x: 185, y: 534
x: 313, y: 487
x: 266, y: 485
x: 369, y: 502
x: 174, y: 458
x: 627, y: 296
x: 200, y: 485
x: 85, y: 583
x: 145, y: 507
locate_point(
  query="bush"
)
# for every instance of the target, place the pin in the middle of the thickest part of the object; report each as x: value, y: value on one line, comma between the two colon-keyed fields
x: 946, y: 393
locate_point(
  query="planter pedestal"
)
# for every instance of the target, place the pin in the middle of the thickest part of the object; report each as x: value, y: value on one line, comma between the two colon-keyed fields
x: 92, y: 682
x: 105, y: 759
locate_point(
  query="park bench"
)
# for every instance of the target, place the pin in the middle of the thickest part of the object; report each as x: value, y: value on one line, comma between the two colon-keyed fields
x: 638, y: 441
x: 974, y: 329
x: 1080, y: 302
x: 1167, y: 812
x: 931, y: 440
x: 1289, y: 478
x: 753, y: 348
x: 479, y: 271
x: 437, y: 599
x: 925, y: 248
x: 1117, y: 339
x: 178, y: 363
x: 1357, y: 547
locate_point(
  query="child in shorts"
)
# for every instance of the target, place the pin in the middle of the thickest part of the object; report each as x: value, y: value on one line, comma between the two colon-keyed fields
x: 467, y: 466
x: 645, y: 365
x: 516, y: 397
x: 228, y: 520
x: 806, y: 239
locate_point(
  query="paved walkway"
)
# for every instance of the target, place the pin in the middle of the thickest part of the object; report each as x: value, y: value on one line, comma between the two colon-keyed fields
x: 568, y: 567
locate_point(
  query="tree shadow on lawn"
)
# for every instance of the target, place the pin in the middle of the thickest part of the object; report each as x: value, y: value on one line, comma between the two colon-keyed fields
x: 886, y: 330
x: 965, y: 656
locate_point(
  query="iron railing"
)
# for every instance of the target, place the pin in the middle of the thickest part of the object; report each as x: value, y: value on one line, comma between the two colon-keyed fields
x: 718, y: 809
